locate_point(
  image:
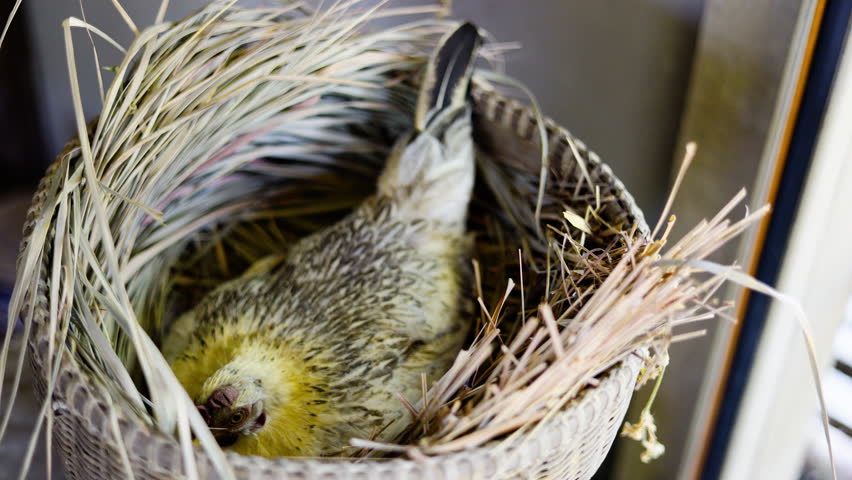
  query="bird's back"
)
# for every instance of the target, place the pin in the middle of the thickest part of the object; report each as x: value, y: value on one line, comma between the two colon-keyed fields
x: 368, y: 306
x: 354, y: 316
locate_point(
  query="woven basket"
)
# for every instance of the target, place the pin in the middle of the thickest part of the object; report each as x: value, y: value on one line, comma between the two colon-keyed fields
x: 571, y: 445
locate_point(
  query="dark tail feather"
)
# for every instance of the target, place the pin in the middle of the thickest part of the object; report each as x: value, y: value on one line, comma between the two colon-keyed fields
x: 448, y: 74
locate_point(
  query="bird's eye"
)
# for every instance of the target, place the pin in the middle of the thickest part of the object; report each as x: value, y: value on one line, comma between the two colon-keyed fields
x: 237, y: 417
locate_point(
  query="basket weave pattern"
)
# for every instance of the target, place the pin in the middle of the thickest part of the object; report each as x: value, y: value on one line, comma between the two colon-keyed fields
x: 571, y: 445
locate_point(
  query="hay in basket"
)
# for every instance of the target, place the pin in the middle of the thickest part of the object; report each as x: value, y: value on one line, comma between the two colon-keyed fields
x: 226, y: 136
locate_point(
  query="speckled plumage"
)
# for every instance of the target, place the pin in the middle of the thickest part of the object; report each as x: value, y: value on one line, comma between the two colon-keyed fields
x: 317, y: 343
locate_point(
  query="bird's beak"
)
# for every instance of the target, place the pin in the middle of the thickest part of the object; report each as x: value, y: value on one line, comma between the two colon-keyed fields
x: 223, y: 397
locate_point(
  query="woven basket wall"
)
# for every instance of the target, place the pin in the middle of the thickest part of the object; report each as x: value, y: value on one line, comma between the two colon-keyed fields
x: 570, y: 446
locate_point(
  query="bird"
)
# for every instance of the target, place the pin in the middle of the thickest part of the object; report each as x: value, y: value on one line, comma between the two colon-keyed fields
x: 333, y: 338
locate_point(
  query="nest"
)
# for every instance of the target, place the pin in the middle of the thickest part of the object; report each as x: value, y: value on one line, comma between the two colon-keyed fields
x: 231, y: 134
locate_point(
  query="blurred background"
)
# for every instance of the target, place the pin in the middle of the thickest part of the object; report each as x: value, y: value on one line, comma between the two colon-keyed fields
x: 764, y: 87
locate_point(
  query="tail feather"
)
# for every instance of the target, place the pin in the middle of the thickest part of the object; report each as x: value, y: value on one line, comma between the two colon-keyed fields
x: 447, y: 79
x: 430, y: 173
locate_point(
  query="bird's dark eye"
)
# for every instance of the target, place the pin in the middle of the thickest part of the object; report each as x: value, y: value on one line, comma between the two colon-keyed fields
x: 237, y: 417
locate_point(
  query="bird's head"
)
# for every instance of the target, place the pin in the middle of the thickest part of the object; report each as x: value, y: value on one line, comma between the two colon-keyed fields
x: 256, y: 398
x: 233, y: 409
